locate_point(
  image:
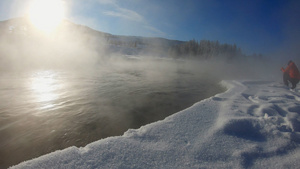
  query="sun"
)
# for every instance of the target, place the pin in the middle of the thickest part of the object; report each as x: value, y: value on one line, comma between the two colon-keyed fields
x: 46, y: 15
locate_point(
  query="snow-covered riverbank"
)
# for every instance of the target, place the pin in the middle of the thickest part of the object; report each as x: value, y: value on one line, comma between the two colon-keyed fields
x: 253, y: 124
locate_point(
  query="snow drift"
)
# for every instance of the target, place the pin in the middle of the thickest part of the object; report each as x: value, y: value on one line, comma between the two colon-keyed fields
x: 253, y: 124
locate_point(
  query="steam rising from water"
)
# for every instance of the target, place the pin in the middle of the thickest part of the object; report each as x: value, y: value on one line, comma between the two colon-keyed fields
x: 74, y: 70
x: 72, y: 46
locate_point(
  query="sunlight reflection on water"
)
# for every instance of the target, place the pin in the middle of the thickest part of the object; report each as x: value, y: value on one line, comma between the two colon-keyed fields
x: 44, y: 86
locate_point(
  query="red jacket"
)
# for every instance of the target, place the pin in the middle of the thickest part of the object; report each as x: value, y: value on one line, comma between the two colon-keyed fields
x: 292, y: 70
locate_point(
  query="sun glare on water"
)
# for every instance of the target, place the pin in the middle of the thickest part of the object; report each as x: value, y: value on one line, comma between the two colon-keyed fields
x: 46, y: 15
x: 45, y: 86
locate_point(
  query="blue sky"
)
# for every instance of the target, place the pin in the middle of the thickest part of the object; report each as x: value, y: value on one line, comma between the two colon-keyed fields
x: 257, y: 26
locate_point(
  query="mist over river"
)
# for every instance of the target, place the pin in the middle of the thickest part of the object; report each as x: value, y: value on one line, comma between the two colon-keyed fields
x: 48, y: 109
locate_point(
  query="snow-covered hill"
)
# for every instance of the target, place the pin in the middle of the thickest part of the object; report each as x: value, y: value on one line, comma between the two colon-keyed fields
x: 254, y: 124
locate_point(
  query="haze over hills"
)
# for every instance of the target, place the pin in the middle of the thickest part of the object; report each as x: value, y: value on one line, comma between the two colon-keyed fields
x: 22, y: 26
x: 23, y: 45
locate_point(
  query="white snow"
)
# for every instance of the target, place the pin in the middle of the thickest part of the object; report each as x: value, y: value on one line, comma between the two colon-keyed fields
x: 254, y: 124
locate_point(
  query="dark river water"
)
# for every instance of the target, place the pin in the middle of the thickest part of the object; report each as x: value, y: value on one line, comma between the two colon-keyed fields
x: 44, y: 110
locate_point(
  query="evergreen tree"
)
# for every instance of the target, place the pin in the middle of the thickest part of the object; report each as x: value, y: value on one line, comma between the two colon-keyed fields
x: 205, y: 49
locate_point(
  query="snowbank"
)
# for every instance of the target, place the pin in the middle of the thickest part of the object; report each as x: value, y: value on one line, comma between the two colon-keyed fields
x: 253, y: 124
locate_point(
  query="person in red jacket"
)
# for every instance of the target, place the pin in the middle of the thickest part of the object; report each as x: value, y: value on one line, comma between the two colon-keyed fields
x: 291, y: 74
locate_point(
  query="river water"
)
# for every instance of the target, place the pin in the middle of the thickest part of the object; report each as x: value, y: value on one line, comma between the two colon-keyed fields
x: 43, y: 110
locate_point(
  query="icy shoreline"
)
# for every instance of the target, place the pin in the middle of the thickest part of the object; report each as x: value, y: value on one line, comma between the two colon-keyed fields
x: 253, y: 124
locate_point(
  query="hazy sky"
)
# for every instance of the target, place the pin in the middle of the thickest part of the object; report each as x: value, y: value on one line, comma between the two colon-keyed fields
x: 260, y: 26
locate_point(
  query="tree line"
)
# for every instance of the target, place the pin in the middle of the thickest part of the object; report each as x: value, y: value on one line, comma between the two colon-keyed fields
x: 205, y: 49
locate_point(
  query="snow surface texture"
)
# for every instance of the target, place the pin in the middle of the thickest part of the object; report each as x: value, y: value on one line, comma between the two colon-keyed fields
x: 254, y: 124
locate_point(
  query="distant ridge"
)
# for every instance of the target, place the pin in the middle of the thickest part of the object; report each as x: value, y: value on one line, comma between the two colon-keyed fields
x: 21, y: 24
x: 106, y: 44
